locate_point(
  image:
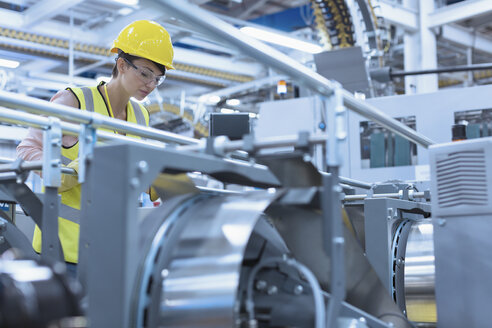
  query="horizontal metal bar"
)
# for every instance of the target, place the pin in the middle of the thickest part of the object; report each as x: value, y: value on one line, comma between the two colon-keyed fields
x: 354, y: 183
x: 4, y: 160
x: 263, y: 143
x: 419, y: 194
x: 449, y: 69
x: 42, y: 107
x: 39, y: 122
x: 205, y: 21
x: 31, y: 166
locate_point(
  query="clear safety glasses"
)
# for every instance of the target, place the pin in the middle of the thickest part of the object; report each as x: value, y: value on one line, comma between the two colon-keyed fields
x: 146, y: 75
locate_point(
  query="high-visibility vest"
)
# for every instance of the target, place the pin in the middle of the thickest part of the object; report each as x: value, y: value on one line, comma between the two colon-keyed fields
x: 90, y: 99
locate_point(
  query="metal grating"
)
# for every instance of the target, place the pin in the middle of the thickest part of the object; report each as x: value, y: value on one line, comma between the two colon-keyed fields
x: 462, y: 179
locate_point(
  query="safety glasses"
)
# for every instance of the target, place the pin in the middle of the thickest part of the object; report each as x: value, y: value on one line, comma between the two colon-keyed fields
x: 146, y: 75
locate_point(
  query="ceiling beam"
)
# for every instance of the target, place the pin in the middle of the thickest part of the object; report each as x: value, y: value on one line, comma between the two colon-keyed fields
x: 220, y: 63
x: 459, y: 12
x: 465, y: 37
x: 150, y: 12
x: 408, y: 20
x: 46, y: 9
x: 398, y: 15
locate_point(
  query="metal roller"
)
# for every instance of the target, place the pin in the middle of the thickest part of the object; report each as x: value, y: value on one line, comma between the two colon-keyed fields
x: 202, y: 248
x: 420, y: 274
x: 414, y: 271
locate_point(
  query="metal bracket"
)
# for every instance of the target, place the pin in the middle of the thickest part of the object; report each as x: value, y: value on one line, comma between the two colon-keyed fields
x: 336, y: 123
x: 87, y: 141
x: 331, y: 202
x: 52, y: 141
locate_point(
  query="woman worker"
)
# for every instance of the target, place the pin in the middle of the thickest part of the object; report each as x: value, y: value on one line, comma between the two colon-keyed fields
x: 144, y: 53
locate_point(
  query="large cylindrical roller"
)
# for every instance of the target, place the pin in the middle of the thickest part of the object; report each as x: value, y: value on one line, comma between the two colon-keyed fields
x: 196, y: 266
x: 414, y: 271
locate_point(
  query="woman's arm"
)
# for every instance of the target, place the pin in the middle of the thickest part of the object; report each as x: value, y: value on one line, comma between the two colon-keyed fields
x: 31, y: 147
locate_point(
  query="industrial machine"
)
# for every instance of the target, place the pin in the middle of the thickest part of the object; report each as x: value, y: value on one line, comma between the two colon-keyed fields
x: 282, y: 253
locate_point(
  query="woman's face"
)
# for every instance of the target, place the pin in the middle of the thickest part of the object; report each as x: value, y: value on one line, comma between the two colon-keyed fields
x: 141, y: 77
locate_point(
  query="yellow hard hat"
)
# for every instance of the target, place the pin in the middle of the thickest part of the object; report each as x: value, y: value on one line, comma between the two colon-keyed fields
x: 146, y: 39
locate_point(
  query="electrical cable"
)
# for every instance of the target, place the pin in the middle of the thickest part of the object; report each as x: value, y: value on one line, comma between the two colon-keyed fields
x: 308, y: 275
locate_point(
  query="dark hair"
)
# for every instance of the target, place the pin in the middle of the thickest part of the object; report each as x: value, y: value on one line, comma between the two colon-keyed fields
x: 131, y: 59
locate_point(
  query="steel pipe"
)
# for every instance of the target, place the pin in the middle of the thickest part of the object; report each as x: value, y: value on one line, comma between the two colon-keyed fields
x: 354, y: 183
x: 39, y: 122
x: 222, y: 145
x: 396, y: 195
x: 449, y: 69
x: 42, y: 107
x: 31, y: 166
x: 209, y: 23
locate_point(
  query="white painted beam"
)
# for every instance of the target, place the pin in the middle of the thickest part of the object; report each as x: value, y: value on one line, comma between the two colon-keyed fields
x: 9, y: 19
x: 196, y: 58
x: 465, y: 37
x: 459, y: 12
x: 150, y: 11
x: 398, y: 15
x: 407, y: 19
x: 46, y: 9
x: 428, y: 49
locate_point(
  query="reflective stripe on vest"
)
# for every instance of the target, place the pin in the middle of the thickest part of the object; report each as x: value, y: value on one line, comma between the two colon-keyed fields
x: 89, y: 99
x: 65, y: 160
x: 69, y: 213
x: 139, y: 116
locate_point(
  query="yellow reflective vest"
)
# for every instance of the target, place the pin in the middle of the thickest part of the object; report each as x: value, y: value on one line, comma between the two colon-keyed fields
x: 90, y: 99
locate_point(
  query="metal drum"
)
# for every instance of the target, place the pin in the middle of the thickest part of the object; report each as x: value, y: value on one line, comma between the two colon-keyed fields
x: 414, y: 271
x: 420, y: 274
x: 191, y: 274
x: 204, y: 248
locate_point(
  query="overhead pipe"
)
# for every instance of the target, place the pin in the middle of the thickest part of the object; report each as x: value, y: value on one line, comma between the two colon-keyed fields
x: 387, y: 74
x: 209, y: 23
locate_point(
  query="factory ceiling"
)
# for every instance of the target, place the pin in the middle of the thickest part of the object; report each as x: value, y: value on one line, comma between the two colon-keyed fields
x: 60, y: 42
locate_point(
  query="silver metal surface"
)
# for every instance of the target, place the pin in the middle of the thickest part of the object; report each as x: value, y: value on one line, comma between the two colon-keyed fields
x: 263, y: 143
x: 208, y: 23
x: 420, y: 274
x: 355, y: 183
x: 29, y: 166
x: 200, y: 284
x: 417, y: 194
x: 304, y: 239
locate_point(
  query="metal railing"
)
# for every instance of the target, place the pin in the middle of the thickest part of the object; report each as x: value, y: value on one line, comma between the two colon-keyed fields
x: 66, y: 113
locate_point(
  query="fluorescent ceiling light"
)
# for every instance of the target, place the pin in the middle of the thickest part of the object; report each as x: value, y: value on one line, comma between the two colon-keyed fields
x: 209, y: 99
x: 125, y: 11
x: 281, y: 40
x: 128, y: 2
x: 228, y: 111
x: 233, y: 102
x: 9, y: 63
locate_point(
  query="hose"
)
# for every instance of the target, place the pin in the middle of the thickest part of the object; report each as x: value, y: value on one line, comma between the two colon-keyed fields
x: 311, y: 279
